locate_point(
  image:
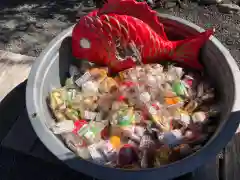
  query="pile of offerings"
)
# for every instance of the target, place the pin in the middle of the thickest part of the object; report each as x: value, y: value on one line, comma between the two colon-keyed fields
x: 143, y: 117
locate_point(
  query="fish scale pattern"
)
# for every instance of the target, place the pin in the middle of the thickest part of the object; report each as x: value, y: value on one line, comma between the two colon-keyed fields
x: 114, y: 27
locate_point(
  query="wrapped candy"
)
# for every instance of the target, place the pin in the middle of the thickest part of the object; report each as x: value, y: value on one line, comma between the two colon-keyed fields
x: 161, y: 122
x: 160, y: 118
x: 96, y: 155
x: 63, y: 127
x: 115, y: 141
x: 90, y: 132
x: 191, y: 106
x: 90, y: 88
x: 172, y: 100
x: 151, y: 80
x: 145, y: 97
x: 139, y: 117
x: 56, y: 100
x: 69, y: 83
x: 70, y: 95
x: 108, y: 85
x: 73, y: 70
x: 179, y: 88
x: 171, y: 138
x: 130, y: 74
x: 199, y: 117
x: 130, y: 134
x: 72, y: 114
x: 139, y: 71
x: 76, y: 144
x: 76, y: 99
x: 126, y: 117
x: 189, y: 134
x: 167, y: 90
x: 98, y: 74
x: 188, y: 81
x: 60, y: 116
x: 157, y: 69
x: 182, y: 118
x: 139, y: 130
x: 123, y: 75
x: 174, y: 73
x: 108, y: 150
x: 89, y: 103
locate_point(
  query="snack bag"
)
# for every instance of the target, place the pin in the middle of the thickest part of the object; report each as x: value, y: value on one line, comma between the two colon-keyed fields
x: 76, y: 144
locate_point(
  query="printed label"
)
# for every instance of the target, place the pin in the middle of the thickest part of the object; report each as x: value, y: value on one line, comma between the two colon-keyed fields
x: 83, y: 79
x: 83, y: 130
x: 98, y: 117
x: 90, y: 115
x: 89, y: 135
x: 78, y: 125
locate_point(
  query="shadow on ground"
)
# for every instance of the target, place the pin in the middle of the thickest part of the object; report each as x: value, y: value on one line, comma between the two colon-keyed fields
x: 26, y: 27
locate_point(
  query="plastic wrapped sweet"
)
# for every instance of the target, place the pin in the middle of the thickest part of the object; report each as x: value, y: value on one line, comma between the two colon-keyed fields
x: 76, y: 144
x: 142, y: 117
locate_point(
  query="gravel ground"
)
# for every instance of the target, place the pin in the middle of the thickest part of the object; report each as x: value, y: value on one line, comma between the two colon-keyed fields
x: 27, y: 28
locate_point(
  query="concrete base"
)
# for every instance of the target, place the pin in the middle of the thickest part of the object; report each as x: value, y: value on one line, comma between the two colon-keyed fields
x: 14, y: 69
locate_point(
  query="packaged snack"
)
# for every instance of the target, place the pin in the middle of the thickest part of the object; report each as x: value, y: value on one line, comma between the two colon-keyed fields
x: 96, y: 155
x: 63, y: 127
x: 127, y: 155
x: 76, y: 144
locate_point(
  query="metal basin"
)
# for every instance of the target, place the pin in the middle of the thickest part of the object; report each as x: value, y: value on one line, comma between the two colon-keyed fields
x: 51, y: 68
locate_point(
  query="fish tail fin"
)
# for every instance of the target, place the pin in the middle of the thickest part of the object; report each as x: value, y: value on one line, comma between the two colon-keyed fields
x: 187, y: 51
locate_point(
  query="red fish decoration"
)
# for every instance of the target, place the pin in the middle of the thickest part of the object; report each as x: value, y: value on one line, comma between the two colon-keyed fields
x: 124, y: 33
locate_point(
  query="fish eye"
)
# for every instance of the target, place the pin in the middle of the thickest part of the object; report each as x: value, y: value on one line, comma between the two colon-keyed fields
x: 85, y: 43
